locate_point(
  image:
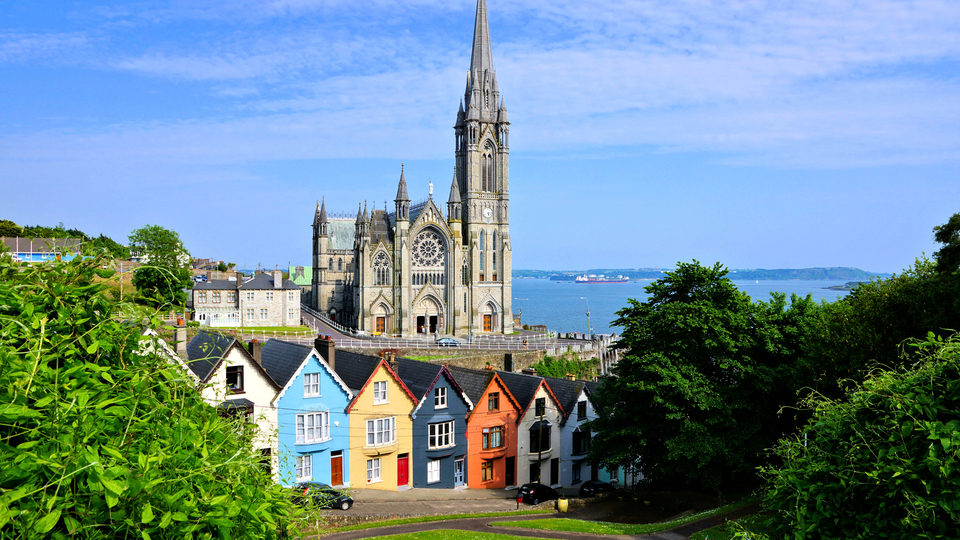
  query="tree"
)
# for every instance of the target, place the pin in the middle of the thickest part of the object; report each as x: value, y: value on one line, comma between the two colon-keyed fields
x: 10, y: 229
x: 864, y: 330
x: 101, y: 437
x: 948, y: 234
x: 881, y: 462
x: 107, y: 244
x: 695, y: 395
x: 162, y: 280
x: 222, y: 267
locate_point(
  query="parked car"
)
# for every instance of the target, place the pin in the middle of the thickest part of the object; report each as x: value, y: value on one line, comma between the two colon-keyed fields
x: 321, y: 495
x: 447, y: 342
x: 536, y: 493
x: 595, y: 487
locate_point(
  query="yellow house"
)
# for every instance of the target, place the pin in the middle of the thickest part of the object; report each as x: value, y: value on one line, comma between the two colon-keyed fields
x: 381, y: 429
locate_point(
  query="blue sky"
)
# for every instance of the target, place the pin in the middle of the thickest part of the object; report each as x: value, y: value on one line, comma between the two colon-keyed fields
x: 757, y: 134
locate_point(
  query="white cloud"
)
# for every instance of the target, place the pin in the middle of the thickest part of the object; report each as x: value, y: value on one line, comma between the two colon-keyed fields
x: 25, y: 47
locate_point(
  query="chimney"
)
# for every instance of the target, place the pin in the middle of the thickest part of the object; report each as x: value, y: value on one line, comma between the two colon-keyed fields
x: 255, y: 347
x: 277, y: 279
x: 528, y: 371
x: 180, y: 340
x: 569, y: 377
x: 239, y: 279
x: 327, y: 349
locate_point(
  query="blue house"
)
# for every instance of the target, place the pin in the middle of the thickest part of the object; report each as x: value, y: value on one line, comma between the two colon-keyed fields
x: 439, y: 424
x: 313, y: 428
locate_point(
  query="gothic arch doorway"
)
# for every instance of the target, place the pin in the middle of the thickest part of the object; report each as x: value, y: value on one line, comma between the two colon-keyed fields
x: 428, y: 316
x: 490, y: 315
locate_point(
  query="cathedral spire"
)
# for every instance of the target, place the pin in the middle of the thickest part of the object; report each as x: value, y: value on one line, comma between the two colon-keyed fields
x: 402, y: 188
x: 482, y: 59
x: 322, y: 217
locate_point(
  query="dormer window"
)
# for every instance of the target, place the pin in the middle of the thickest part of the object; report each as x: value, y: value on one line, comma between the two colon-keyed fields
x: 440, y: 398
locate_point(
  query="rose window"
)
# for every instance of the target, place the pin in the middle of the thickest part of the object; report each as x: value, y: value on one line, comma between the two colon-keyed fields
x: 428, y: 250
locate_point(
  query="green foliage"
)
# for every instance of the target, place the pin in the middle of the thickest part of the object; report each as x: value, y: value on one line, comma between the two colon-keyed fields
x: 948, y: 234
x: 222, y: 267
x: 864, y: 330
x: 102, y: 438
x: 162, y: 281
x: 560, y: 367
x: 9, y: 228
x: 703, y: 375
x: 111, y: 247
x: 881, y: 463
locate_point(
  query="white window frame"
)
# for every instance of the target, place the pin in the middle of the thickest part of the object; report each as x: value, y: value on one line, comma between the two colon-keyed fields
x: 202, y: 297
x: 305, y: 467
x: 311, y: 385
x: 250, y: 296
x: 269, y: 297
x: 251, y: 314
x: 440, y: 398
x: 373, y: 470
x: 313, y: 427
x: 441, y: 435
x: 379, y: 392
x: 381, y: 431
x: 263, y: 314
x: 433, y: 471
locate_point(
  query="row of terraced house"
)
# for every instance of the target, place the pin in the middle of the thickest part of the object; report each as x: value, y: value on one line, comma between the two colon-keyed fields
x: 354, y: 420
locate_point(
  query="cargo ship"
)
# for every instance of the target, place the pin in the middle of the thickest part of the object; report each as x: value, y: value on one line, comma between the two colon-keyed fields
x: 601, y: 279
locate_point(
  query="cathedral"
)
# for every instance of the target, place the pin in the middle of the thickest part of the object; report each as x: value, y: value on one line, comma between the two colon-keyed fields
x: 416, y: 270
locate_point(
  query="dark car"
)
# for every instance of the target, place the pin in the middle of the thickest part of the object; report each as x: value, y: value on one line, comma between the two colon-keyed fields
x: 595, y: 487
x: 447, y: 342
x: 321, y: 495
x: 536, y: 493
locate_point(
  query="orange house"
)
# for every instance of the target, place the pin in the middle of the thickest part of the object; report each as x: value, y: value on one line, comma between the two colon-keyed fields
x: 491, y: 429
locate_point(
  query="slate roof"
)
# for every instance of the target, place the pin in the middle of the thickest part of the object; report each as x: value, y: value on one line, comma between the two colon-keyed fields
x: 216, y: 284
x: 381, y: 228
x: 355, y: 369
x: 567, y: 394
x: 417, y: 375
x: 341, y: 233
x: 264, y: 280
x: 205, y: 351
x: 523, y: 387
x: 281, y: 359
x: 472, y: 381
x: 232, y: 404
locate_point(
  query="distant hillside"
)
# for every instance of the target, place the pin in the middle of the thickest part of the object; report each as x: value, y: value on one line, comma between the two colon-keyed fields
x: 806, y: 274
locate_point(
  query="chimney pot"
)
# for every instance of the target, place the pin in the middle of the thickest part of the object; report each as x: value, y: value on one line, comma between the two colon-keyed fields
x: 327, y: 350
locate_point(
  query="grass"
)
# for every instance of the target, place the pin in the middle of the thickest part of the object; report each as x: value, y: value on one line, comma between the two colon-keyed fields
x: 750, y: 524
x: 602, y: 527
x: 428, y: 519
x: 280, y: 330
x: 427, y: 358
x: 449, y: 533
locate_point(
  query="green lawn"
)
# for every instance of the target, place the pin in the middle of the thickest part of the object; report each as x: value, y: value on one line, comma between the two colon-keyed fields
x: 427, y: 519
x: 751, y: 524
x: 601, y: 527
x: 443, y: 534
x: 268, y: 329
x: 428, y: 358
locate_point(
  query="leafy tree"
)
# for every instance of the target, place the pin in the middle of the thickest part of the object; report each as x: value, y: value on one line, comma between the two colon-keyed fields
x: 948, y: 234
x: 101, y: 437
x: 222, y: 267
x: 162, y: 280
x: 9, y: 228
x: 107, y: 244
x: 882, y: 462
x: 704, y: 371
x: 864, y: 330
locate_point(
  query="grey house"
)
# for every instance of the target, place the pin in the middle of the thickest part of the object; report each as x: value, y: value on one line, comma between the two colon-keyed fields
x: 439, y: 424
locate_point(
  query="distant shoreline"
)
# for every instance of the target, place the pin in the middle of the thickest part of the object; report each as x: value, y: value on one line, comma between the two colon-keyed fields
x: 852, y: 275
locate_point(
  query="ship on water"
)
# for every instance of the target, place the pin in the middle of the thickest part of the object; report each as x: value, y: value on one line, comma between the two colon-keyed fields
x: 601, y: 279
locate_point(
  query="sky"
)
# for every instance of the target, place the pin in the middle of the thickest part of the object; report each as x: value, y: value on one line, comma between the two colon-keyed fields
x: 757, y: 134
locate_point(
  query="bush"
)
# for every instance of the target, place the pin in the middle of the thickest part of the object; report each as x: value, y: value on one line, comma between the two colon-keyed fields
x: 881, y: 463
x: 102, y: 438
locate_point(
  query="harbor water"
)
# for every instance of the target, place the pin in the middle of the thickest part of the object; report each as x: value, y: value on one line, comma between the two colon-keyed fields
x: 562, y: 305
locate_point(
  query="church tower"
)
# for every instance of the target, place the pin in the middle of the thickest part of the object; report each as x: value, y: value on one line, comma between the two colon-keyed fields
x: 482, y: 174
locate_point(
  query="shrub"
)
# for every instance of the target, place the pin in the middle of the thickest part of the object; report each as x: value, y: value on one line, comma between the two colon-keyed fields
x: 881, y: 463
x: 102, y: 438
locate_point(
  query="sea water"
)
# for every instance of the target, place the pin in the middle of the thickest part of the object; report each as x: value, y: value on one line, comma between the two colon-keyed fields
x: 562, y: 305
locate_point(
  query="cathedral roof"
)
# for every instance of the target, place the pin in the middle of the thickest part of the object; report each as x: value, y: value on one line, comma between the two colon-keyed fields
x: 341, y: 234
x: 382, y: 227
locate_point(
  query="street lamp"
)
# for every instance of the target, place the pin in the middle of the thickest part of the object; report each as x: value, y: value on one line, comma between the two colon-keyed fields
x: 589, y: 326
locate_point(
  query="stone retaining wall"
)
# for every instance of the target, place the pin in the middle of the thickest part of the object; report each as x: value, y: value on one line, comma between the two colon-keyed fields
x: 469, y: 358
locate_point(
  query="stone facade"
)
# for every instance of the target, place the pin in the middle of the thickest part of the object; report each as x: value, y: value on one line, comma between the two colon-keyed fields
x: 265, y: 300
x: 416, y: 270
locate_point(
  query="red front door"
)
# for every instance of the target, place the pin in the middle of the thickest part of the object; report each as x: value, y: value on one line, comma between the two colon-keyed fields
x: 402, y: 469
x: 336, y: 470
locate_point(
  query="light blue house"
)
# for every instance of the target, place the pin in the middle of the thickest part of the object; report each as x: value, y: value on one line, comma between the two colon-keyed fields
x: 313, y: 429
